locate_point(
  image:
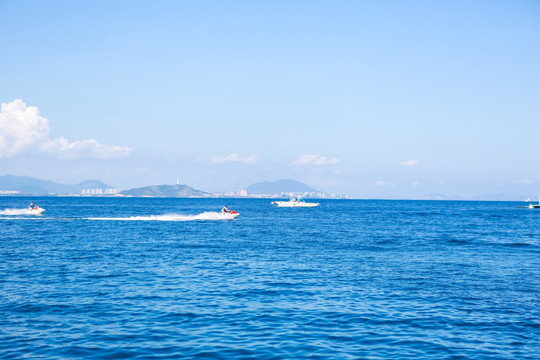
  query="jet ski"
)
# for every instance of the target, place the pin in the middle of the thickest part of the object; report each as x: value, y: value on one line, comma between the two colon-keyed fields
x: 36, y: 210
x: 230, y: 215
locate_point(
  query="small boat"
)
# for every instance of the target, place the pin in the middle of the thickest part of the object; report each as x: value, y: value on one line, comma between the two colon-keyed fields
x: 230, y: 215
x: 36, y: 210
x: 535, y: 206
x: 295, y: 203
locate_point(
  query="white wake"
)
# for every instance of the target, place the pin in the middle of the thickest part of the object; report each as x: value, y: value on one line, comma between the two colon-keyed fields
x: 170, y: 217
x: 13, y: 212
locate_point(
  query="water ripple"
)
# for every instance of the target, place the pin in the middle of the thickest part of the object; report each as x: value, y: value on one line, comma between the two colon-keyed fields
x: 361, y: 279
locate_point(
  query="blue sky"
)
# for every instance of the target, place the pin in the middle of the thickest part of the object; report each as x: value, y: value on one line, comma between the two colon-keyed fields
x: 375, y: 99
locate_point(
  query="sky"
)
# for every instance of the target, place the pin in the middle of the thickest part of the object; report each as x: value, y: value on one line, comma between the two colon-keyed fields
x: 373, y: 99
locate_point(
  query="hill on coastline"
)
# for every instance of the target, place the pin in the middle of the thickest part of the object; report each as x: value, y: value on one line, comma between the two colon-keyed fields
x: 165, y: 191
x: 34, y: 186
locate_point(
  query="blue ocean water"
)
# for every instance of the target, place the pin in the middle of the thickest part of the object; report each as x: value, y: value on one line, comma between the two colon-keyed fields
x: 146, y: 278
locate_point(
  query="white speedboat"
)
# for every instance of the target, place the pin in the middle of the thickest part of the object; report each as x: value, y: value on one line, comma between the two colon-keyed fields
x: 295, y: 203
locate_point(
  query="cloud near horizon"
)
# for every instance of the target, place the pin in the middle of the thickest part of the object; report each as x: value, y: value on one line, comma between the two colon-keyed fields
x: 409, y: 163
x: 22, y: 129
x: 234, y: 158
x: 315, y: 159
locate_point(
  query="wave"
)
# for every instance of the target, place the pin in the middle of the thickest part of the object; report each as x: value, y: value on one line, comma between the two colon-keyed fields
x: 169, y: 217
x: 24, y: 211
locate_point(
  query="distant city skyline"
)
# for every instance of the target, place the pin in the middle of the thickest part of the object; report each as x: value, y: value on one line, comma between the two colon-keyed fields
x: 370, y: 99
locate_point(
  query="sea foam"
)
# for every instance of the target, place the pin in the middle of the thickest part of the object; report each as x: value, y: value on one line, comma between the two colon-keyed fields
x: 209, y: 215
x: 24, y: 211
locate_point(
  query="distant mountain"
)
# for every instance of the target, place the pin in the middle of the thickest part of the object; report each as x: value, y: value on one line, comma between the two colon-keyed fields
x: 165, y: 191
x: 34, y: 186
x: 279, y: 187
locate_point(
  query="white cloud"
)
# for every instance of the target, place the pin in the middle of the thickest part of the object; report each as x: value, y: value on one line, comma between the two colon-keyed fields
x: 85, y: 149
x: 383, y: 183
x: 415, y: 183
x: 20, y: 127
x: 409, y: 163
x: 23, y: 129
x: 315, y: 159
x: 234, y: 157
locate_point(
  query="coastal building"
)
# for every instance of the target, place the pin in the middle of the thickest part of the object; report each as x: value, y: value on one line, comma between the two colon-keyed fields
x: 107, y: 191
x: 9, y: 192
x: 242, y: 192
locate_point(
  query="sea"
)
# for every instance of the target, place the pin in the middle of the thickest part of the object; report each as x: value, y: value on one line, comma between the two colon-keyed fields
x: 168, y: 278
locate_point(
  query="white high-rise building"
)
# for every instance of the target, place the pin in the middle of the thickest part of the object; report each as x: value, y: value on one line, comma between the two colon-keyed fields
x: 242, y: 192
